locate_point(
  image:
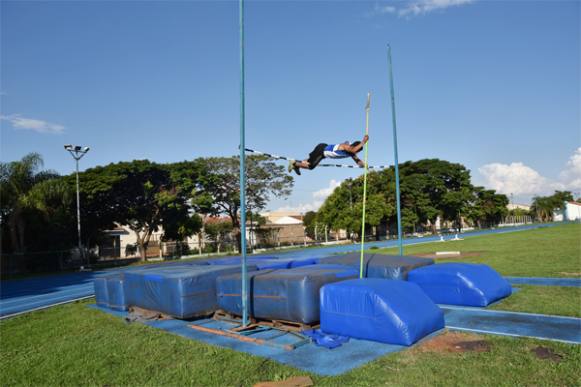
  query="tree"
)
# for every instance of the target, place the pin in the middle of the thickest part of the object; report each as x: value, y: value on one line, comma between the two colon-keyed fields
x: 51, y: 215
x: 17, y: 179
x: 430, y: 189
x: 219, y: 186
x: 443, y: 189
x: 376, y: 210
x: 543, y: 207
x: 217, y: 230
x: 141, y: 195
x: 338, y: 211
x: 310, y: 223
x: 488, y: 208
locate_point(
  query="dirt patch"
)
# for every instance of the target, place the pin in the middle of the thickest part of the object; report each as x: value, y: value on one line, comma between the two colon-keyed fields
x: 545, y: 353
x: 455, y: 342
x: 464, y: 254
x: 567, y: 274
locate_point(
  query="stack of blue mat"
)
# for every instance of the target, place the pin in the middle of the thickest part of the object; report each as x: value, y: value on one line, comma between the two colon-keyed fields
x: 109, y: 291
x: 289, y: 295
x: 380, y: 265
x: 181, y: 292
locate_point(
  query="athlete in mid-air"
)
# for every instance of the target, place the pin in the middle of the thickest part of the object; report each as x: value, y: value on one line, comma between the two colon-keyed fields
x: 330, y: 151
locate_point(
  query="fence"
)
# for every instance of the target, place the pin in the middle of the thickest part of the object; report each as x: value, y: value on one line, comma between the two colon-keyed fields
x: 118, y: 253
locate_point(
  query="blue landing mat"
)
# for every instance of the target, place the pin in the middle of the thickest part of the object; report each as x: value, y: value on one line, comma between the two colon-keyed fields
x: 546, y: 327
x: 574, y: 282
x: 309, y: 357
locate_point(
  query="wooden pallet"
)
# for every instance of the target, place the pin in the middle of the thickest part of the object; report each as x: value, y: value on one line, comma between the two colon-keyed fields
x: 282, y: 325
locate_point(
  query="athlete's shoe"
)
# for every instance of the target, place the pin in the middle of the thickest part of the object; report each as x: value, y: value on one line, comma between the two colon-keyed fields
x: 293, y: 167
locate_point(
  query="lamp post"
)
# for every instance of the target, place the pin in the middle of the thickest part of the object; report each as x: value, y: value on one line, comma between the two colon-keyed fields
x: 78, y: 152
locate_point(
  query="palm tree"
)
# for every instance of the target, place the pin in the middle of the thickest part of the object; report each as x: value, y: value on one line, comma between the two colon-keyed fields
x: 17, y: 179
x: 542, y: 207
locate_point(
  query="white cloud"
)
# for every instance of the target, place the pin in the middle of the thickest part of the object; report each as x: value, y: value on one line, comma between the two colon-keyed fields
x: 319, y: 197
x: 324, y: 192
x: 571, y: 175
x: 520, y: 179
x: 383, y: 9
x: 416, y: 7
x: 40, y: 126
x: 514, y: 178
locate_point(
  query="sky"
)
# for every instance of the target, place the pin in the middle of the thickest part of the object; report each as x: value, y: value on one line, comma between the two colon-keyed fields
x: 494, y: 85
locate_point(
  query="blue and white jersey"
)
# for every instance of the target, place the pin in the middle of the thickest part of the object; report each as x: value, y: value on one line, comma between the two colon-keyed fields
x: 332, y: 151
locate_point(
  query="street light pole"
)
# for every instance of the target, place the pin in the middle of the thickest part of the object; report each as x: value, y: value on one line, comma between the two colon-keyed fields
x: 78, y: 152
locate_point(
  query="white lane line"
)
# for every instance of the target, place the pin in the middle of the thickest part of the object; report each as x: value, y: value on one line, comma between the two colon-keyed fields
x: 42, y: 307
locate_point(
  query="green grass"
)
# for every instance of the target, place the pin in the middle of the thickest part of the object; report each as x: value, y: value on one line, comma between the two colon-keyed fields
x: 556, y: 300
x: 543, y: 252
x: 76, y: 345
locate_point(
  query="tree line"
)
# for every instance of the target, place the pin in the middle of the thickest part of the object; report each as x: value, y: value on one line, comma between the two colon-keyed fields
x: 430, y: 189
x: 38, y: 207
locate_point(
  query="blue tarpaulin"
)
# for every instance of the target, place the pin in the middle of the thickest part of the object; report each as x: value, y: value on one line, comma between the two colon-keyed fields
x: 323, y: 339
x: 116, y: 292
x: 388, y: 311
x: 290, y: 295
x: 228, y: 290
x: 463, y: 284
x: 182, y: 292
x: 101, y: 292
x: 380, y: 265
x: 238, y: 260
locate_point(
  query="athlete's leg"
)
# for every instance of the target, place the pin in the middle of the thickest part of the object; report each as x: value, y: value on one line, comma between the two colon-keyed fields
x: 302, y: 164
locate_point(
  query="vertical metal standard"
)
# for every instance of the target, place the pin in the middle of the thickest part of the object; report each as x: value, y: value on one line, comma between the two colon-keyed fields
x: 243, y: 173
x: 396, y: 162
x: 78, y: 208
x: 78, y: 152
x: 367, y: 107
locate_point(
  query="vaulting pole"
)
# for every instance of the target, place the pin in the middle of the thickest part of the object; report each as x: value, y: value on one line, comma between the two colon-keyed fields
x: 396, y: 162
x: 243, y: 173
x: 361, y: 260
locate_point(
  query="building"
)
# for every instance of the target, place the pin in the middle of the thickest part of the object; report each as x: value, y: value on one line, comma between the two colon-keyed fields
x: 515, y: 206
x: 276, y: 216
x: 121, y: 242
x: 281, y: 228
x: 571, y: 212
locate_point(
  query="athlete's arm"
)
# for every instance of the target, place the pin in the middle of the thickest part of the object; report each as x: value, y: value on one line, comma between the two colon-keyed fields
x: 358, y: 161
x: 354, y: 149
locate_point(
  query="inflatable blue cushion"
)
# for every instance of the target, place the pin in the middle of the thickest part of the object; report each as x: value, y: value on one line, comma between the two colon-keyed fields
x: 463, y: 284
x: 388, y: 311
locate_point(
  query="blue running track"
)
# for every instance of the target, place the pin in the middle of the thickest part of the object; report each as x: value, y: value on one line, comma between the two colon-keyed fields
x: 21, y: 296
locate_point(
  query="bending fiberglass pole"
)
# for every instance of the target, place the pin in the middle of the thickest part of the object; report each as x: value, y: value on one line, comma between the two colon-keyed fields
x: 361, y: 260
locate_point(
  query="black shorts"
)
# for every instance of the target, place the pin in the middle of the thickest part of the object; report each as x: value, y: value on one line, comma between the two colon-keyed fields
x: 316, y: 155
